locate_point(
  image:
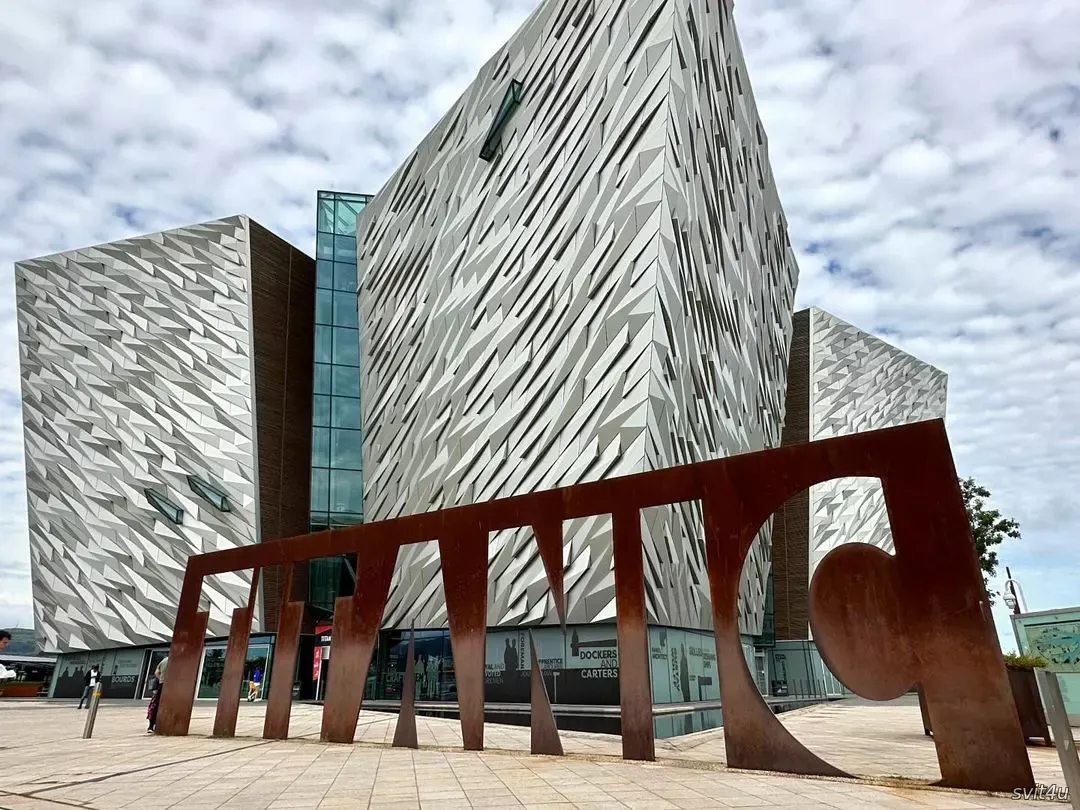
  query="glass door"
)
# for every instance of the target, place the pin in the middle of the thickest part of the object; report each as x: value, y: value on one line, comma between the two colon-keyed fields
x: 155, y: 658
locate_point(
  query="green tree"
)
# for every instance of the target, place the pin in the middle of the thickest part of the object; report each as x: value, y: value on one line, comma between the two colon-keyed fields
x: 988, y: 527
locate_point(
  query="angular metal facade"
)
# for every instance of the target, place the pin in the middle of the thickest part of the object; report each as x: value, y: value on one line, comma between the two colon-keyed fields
x: 610, y: 292
x: 138, y: 370
x: 859, y: 382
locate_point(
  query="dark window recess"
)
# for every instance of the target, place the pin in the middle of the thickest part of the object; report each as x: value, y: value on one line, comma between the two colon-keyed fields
x: 510, y: 103
x: 209, y: 492
x: 169, y: 509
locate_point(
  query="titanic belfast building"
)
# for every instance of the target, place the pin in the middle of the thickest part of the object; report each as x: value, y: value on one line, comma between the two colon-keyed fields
x: 583, y: 271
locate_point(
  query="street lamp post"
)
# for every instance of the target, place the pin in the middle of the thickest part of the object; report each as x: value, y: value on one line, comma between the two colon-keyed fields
x: 1015, y: 601
x: 1014, y: 594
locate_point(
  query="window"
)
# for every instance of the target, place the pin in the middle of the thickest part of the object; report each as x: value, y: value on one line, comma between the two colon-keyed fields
x: 346, y: 491
x: 346, y: 452
x: 320, y: 489
x: 324, y: 307
x: 208, y: 492
x: 346, y: 382
x: 345, y: 413
x: 510, y: 103
x: 324, y: 337
x: 324, y: 274
x: 169, y: 509
x: 345, y: 275
x: 346, y: 348
x: 344, y: 249
x: 323, y: 376
x: 345, y: 221
x: 324, y: 246
x: 320, y: 416
x: 345, y: 310
x: 320, y: 447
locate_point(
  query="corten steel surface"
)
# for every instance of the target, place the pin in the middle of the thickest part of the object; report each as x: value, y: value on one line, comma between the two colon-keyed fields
x: 1029, y: 705
x: 929, y: 599
x: 356, y: 627
x: 543, y: 731
x: 635, y: 691
x: 232, y: 677
x: 925, y: 715
x: 279, y: 702
x: 405, y: 729
x: 185, y: 655
x: 464, y: 556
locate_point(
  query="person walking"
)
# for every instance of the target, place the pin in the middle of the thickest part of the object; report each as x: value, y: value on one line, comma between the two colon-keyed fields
x: 5, y: 673
x: 254, y: 684
x: 160, y: 673
x: 89, y: 682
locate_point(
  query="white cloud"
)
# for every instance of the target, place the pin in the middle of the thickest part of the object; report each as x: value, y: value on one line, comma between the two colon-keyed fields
x: 926, y: 154
x: 936, y: 167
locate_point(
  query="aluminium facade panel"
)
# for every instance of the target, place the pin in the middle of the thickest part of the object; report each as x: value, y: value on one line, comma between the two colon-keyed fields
x: 139, y: 369
x: 841, y: 380
x: 611, y: 292
x: 859, y: 382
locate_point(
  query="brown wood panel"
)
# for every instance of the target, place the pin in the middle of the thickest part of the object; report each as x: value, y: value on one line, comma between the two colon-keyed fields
x: 283, y: 335
x: 791, y: 523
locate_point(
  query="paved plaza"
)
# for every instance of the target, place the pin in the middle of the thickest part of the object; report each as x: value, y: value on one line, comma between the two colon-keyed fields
x: 46, y: 764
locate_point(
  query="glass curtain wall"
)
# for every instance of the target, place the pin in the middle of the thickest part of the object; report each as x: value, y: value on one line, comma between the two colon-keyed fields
x: 337, y: 489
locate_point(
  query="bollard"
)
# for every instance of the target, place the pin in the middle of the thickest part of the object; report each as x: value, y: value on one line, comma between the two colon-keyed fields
x: 1063, y: 739
x: 91, y: 712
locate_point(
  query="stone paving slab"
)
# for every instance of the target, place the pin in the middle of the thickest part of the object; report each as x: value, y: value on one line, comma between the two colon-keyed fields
x: 46, y: 764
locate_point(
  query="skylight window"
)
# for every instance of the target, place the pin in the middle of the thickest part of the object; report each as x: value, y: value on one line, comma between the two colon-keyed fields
x: 510, y: 102
x: 169, y: 509
x: 208, y: 492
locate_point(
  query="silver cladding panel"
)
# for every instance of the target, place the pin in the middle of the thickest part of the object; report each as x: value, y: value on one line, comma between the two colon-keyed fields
x: 859, y: 382
x: 613, y: 293
x: 136, y: 371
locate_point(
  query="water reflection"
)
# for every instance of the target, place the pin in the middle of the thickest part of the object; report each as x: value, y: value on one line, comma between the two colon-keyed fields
x: 676, y: 725
x: 665, y: 726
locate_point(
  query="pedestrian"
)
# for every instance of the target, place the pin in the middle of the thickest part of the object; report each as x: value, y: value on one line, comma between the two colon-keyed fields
x: 90, y: 681
x: 5, y: 673
x: 254, y: 684
x: 155, y: 696
x: 152, y: 709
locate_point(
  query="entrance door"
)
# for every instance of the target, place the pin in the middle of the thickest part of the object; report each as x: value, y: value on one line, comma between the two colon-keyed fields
x: 322, y: 676
x: 760, y: 674
x: 155, y: 657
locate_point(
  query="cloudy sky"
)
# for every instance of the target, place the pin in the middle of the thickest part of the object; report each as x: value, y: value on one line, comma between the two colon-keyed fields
x: 926, y: 153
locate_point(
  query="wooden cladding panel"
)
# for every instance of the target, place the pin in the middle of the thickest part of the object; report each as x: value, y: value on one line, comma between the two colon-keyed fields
x: 283, y: 314
x: 791, y: 526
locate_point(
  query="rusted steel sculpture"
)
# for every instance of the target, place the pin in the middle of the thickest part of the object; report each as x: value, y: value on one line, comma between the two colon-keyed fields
x: 405, y: 730
x: 883, y: 623
x: 545, y: 735
x: 228, y: 705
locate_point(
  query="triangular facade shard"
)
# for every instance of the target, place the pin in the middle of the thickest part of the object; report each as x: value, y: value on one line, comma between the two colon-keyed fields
x: 621, y: 245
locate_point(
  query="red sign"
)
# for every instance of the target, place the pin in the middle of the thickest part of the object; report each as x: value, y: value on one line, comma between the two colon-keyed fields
x: 316, y: 666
